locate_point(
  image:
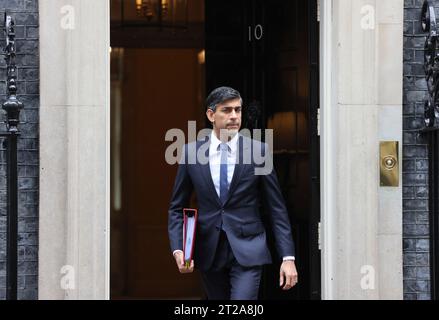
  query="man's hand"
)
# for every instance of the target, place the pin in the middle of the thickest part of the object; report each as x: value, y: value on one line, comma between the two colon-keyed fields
x: 288, y: 275
x: 179, y: 259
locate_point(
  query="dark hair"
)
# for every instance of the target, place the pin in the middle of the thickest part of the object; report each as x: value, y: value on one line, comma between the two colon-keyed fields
x: 220, y: 95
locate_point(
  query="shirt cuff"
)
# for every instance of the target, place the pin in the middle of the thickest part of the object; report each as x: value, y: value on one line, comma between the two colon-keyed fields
x: 173, y: 253
x: 289, y: 258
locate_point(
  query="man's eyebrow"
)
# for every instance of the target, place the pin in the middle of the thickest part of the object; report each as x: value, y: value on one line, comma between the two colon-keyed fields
x: 231, y: 106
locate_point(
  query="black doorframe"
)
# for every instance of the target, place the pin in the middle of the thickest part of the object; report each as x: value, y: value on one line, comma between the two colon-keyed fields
x: 314, y: 99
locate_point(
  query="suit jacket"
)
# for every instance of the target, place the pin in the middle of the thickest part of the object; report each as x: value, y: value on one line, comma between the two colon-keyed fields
x: 239, y: 216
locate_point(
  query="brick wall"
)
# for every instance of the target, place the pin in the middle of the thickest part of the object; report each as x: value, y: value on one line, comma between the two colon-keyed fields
x: 25, y: 13
x: 415, y: 159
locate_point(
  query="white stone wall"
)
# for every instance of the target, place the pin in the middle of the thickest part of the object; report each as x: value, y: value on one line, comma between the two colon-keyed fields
x: 362, y: 254
x: 74, y: 134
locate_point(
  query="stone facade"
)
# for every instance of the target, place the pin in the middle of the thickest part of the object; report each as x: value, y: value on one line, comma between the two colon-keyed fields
x: 74, y: 155
x: 365, y: 109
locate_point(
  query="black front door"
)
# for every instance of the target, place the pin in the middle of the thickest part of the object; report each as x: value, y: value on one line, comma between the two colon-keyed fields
x: 268, y: 50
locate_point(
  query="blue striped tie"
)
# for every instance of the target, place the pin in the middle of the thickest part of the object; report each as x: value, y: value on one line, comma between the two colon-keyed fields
x: 224, y: 185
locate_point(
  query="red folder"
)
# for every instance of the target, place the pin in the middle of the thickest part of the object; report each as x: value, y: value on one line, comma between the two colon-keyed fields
x: 190, y: 217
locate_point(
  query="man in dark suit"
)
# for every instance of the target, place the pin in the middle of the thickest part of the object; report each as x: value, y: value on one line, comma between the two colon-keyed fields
x: 230, y: 243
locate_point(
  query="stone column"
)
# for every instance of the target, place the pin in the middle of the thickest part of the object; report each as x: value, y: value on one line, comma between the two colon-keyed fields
x: 367, y: 39
x: 74, y: 146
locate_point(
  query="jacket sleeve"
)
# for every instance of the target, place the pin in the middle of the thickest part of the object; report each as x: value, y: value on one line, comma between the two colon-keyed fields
x: 180, y: 199
x: 277, y: 210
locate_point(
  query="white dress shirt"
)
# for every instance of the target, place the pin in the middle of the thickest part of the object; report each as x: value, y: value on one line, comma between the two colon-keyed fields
x: 215, y: 159
x: 215, y: 165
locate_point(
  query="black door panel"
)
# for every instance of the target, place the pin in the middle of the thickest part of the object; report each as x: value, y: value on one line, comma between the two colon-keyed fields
x: 268, y: 50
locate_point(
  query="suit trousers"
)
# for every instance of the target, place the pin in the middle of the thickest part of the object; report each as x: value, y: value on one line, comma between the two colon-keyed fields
x: 227, y: 279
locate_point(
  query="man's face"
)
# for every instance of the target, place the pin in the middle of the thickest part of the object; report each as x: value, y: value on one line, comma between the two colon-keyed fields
x: 226, y: 116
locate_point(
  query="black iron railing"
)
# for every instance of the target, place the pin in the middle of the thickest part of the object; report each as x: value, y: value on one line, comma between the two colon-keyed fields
x: 431, y: 64
x: 431, y: 132
x: 12, y: 106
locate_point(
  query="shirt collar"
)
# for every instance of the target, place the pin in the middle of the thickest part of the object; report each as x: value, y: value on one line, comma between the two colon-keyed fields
x: 215, y: 142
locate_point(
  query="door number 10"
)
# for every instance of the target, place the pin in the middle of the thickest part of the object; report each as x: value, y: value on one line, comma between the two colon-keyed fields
x: 257, y: 33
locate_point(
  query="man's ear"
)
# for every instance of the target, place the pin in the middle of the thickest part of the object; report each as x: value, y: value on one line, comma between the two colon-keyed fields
x: 210, y: 115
